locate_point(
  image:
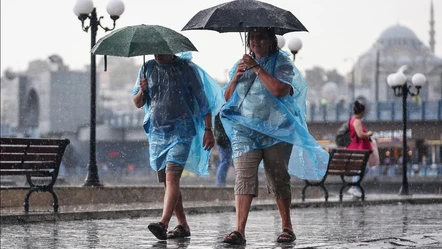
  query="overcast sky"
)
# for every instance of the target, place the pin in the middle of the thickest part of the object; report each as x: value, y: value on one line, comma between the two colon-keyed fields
x: 339, y: 30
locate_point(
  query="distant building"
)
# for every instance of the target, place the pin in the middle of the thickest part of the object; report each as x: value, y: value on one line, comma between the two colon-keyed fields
x: 45, y: 100
x: 395, y: 47
x: 116, y: 85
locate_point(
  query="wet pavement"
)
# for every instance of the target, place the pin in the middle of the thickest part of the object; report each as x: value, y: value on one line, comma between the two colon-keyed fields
x: 374, y: 224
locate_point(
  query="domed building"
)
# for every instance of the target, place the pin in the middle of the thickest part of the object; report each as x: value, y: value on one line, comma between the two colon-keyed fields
x: 397, y: 46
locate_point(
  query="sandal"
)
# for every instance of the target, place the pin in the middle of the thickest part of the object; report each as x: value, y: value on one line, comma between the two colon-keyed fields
x: 234, y: 238
x: 178, y: 232
x: 286, y: 236
x: 159, y: 230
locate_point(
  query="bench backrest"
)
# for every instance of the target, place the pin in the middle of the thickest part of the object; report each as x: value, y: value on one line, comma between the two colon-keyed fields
x: 347, y: 162
x: 34, y: 156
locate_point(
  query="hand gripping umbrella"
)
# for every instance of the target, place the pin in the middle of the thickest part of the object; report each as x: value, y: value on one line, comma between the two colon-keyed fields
x: 239, y: 15
x: 142, y: 40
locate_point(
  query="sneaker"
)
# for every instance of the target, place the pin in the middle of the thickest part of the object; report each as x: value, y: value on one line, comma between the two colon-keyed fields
x: 355, y: 192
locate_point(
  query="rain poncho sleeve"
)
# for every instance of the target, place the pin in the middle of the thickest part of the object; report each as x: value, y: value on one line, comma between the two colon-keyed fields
x: 179, y: 96
x: 254, y: 118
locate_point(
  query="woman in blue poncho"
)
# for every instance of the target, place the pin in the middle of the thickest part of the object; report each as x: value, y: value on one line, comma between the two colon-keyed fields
x: 265, y: 119
x: 178, y: 98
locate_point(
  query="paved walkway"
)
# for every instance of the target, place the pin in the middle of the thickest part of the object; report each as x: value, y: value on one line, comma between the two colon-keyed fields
x: 382, y: 221
x: 98, y: 211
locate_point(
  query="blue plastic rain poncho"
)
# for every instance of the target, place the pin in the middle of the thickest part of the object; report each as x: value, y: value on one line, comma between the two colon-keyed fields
x: 255, y: 118
x: 180, y: 94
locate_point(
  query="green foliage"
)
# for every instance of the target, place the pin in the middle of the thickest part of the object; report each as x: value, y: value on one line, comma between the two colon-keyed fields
x: 317, y: 77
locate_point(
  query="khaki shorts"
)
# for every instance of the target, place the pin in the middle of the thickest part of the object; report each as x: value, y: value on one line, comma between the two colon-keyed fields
x: 171, y: 167
x: 276, y: 159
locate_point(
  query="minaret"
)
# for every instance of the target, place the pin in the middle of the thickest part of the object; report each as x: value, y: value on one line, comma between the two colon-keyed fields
x: 432, y: 32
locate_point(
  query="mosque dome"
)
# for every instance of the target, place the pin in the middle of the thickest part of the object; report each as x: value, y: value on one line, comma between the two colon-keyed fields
x: 397, y: 32
x: 400, y: 36
x: 396, y: 46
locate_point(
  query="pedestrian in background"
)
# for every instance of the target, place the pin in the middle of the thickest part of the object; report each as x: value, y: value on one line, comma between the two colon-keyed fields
x: 178, y: 99
x: 360, y: 139
x: 225, y: 152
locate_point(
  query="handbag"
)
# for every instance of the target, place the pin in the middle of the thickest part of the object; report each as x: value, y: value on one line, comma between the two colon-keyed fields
x: 373, y: 160
x: 221, y: 137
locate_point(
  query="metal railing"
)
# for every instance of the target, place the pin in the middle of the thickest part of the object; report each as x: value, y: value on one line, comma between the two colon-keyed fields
x: 381, y: 111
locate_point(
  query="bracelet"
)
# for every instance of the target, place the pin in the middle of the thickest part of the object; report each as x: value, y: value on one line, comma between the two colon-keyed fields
x: 257, y: 73
x: 208, y: 129
x: 257, y: 64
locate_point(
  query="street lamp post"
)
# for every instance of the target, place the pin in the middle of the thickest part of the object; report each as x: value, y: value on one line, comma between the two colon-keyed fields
x: 294, y: 45
x: 352, y: 86
x: 398, y: 81
x: 85, y: 9
x: 281, y: 41
x: 376, y: 79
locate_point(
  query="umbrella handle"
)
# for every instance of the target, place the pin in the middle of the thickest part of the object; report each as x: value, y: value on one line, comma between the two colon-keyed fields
x: 245, y: 43
x: 245, y: 40
x: 144, y: 66
x: 144, y: 76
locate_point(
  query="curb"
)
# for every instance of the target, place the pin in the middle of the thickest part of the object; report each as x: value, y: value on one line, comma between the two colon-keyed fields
x: 211, y: 207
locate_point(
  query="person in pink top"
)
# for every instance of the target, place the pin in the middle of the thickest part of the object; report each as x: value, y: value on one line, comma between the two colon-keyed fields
x: 360, y: 138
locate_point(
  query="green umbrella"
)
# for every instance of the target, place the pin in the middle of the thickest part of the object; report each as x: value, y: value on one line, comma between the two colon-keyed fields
x: 142, y: 40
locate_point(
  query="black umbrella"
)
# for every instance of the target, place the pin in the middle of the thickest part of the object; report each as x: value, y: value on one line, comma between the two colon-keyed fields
x: 238, y: 15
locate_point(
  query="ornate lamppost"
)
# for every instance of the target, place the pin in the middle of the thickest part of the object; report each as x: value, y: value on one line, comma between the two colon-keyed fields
x: 352, y: 86
x: 398, y: 81
x: 85, y: 9
x: 281, y: 41
x: 294, y: 45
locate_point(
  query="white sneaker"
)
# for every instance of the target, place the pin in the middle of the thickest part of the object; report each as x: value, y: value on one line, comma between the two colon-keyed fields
x: 355, y: 192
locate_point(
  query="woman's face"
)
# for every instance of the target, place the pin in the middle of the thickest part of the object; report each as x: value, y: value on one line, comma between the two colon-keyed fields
x: 164, y: 58
x: 259, y: 42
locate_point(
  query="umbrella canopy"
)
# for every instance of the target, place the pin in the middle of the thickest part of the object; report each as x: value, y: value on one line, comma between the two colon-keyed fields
x: 142, y: 40
x: 238, y: 15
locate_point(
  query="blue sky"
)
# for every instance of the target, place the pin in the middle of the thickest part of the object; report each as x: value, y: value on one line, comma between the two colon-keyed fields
x: 340, y: 30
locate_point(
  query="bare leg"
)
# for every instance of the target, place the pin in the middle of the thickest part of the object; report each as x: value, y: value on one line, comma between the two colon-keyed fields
x: 284, y: 212
x: 180, y: 215
x: 172, y: 196
x: 242, y: 204
x: 278, y: 157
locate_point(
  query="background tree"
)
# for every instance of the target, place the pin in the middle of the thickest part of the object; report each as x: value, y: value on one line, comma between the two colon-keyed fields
x: 334, y: 76
x: 315, y: 77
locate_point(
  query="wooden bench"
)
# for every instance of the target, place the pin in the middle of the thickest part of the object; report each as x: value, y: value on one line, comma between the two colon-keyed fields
x: 344, y: 163
x: 33, y: 157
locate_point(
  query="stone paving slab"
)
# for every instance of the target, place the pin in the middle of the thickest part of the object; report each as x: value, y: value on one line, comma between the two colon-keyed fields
x: 412, y: 241
x: 397, y: 225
